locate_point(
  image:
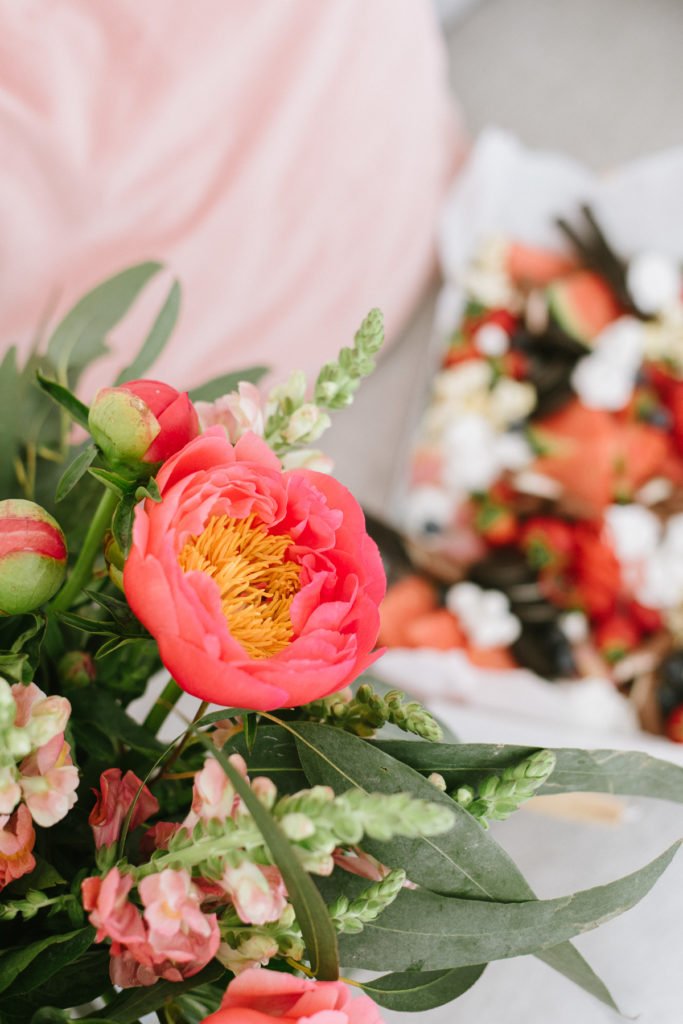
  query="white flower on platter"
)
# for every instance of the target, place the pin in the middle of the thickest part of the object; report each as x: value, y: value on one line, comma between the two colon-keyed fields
x: 484, y: 615
x: 428, y: 509
x: 654, y: 282
x: 605, y: 379
x: 486, y: 279
x: 492, y: 340
x: 650, y: 556
x: 476, y: 454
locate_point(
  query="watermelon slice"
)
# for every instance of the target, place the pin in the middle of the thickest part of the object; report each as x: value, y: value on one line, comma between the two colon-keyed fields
x: 531, y: 267
x: 583, y: 304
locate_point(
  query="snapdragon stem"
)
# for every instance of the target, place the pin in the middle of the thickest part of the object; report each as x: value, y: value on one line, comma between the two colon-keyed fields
x: 92, y: 545
x: 162, y: 707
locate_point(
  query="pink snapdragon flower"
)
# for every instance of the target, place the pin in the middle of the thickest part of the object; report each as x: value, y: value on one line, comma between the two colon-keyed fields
x: 10, y: 790
x: 177, y: 928
x: 257, y: 891
x: 17, y: 837
x: 213, y: 797
x: 171, y: 939
x: 113, y: 803
x: 42, y: 717
x: 259, y: 996
x: 49, y: 781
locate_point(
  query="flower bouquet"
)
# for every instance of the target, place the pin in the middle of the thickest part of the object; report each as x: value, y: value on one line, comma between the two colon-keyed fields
x: 547, y: 477
x: 231, y: 874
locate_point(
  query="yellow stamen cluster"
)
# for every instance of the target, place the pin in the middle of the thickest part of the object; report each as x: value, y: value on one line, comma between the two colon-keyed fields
x: 256, y: 581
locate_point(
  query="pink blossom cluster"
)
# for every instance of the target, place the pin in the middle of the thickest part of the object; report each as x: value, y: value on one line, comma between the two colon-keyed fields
x: 38, y: 779
x: 171, y: 938
x: 175, y: 934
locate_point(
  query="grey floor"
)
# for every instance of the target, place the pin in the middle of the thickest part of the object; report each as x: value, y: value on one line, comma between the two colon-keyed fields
x: 601, y: 80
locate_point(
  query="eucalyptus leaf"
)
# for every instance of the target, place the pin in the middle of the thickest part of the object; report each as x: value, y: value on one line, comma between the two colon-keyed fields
x: 311, y: 912
x: 621, y: 772
x: 75, y: 471
x: 80, y: 337
x: 464, y: 861
x: 422, y: 929
x: 219, y: 386
x: 155, y: 341
x: 414, y: 991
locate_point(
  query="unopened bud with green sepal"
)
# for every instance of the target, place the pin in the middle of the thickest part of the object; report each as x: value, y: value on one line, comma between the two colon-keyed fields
x: 141, y: 423
x: 32, y: 556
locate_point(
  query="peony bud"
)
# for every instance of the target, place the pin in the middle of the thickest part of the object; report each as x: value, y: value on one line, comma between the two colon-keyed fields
x: 32, y: 556
x: 143, y: 421
x: 76, y: 669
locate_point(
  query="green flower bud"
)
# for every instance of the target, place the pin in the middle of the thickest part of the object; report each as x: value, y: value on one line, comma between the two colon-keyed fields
x: 113, y: 556
x: 141, y: 423
x: 76, y: 669
x: 32, y: 556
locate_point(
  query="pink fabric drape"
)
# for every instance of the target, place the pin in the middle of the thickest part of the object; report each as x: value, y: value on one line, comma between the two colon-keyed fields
x: 284, y: 158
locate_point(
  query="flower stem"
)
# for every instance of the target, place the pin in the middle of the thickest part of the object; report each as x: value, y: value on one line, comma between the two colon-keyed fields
x: 162, y: 707
x: 82, y: 570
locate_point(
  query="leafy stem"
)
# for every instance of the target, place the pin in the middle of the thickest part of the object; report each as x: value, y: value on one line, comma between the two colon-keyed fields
x: 92, y: 545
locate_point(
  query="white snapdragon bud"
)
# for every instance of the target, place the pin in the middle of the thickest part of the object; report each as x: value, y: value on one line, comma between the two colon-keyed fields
x: 308, y: 458
x: 48, y: 718
x: 8, y: 708
x: 653, y: 281
x: 292, y: 390
x: 10, y: 790
x: 237, y: 412
x: 308, y: 423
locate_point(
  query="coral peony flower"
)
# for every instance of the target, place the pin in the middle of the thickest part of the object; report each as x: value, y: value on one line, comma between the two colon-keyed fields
x: 142, y: 421
x: 17, y: 837
x: 259, y: 996
x: 261, y: 587
x: 49, y: 780
x: 113, y: 803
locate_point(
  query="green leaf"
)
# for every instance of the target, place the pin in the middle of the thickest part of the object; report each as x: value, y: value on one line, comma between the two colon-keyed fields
x: 464, y: 861
x: 250, y: 730
x: 311, y: 912
x: 220, y: 386
x: 414, y: 991
x: 114, y: 481
x: 576, y: 771
x: 43, y: 876
x: 423, y: 929
x: 98, y: 627
x: 80, y: 337
x: 52, y: 953
x: 131, y: 1004
x: 148, y: 490
x: 118, y: 723
x: 122, y: 523
x: 75, y: 983
x: 75, y: 471
x: 76, y: 409
x: 274, y: 754
x: 155, y: 341
x: 220, y: 716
